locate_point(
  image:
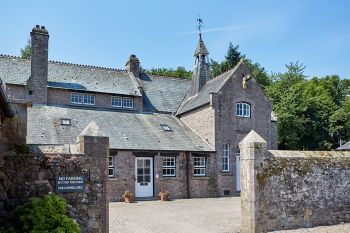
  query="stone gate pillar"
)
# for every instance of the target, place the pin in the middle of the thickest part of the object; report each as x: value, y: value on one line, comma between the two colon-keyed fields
x: 252, y: 149
x: 95, y: 147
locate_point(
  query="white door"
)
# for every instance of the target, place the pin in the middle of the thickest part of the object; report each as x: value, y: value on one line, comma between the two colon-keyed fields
x: 238, y: 174
x: 144, y: 177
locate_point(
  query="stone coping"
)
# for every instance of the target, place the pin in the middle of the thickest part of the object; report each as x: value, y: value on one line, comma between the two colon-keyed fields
x: 309, y: 154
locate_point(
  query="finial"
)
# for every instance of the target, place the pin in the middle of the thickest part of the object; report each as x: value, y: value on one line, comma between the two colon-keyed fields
x: 199, y: 27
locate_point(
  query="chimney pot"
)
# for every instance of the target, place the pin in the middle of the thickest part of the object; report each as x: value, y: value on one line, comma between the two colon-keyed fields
x: 42, y: 27
x: 37, y: 26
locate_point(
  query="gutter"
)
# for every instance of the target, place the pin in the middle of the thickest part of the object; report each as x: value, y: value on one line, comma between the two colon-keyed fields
x: 9, y: 112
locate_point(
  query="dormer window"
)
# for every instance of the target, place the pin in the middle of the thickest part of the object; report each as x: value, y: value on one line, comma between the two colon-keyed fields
x: 82, y: 98
x: 243, y: 109
x: 166, y: 127
x: 65, y: 121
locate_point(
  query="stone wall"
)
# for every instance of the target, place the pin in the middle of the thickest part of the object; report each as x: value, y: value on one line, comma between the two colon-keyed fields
x: 292, y: 189
x: 198, y: 118
x: 27, y: 172
x: 183, y: 185
x: 13, y: 130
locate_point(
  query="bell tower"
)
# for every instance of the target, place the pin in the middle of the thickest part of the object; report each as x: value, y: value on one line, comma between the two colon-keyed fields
x: 201, y: 70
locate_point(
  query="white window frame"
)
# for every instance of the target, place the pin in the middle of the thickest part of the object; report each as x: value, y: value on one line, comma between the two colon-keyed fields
x: 117, y: 99
x: 76, y: 96
x: 226, y: 158
x: 243, y: 109
x: 125, y: 99
x: 199, y: 165
x: 90, y: 99
x: 111, y: 166
x: 169, y: 164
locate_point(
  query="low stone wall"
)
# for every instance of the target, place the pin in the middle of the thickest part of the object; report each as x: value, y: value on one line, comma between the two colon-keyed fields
x: 27, y: 172
x: 292, y: 189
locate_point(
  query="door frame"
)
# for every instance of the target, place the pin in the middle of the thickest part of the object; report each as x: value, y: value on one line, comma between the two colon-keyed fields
x: 152, y: 173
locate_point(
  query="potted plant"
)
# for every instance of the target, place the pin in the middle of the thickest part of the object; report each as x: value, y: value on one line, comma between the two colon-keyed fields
x: 164, y: 195
x: 128, y: 196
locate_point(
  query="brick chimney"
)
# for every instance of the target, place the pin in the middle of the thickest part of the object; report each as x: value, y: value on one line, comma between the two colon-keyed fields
x: 37, y: 83
x: 133, y: 65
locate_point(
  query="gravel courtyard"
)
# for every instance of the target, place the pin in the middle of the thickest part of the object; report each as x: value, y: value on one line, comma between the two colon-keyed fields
x: 207, y: 215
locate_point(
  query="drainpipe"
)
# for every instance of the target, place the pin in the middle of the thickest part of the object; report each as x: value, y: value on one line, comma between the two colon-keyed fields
x: 6, y: 102
x: 188, y: 174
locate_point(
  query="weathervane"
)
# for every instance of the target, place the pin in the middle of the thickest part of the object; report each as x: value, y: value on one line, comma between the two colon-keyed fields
x: 200, y: 22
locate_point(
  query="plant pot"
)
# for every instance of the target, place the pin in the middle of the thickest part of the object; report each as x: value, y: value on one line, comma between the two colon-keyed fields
x: 128, y: 199
x: 164, y: 198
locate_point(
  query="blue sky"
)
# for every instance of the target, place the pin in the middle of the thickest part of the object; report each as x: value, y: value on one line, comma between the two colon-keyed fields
x: 163, y: 33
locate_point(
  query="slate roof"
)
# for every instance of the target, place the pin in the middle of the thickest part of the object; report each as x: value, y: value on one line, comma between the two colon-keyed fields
x: 15, y: 70
x: 203, y: 97
x: 201, y: 49
x: 345, y: 146
x: 129, y: 131
x: 163, y: 94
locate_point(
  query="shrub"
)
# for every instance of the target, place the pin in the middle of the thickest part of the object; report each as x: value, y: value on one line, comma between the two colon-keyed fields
x: 44, y: 215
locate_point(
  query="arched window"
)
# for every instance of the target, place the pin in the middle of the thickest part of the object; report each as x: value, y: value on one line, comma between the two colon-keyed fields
x: 242, y: 109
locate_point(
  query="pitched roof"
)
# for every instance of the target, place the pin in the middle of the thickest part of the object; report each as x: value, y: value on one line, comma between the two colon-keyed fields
x: 127, y: 131
x: 203, y: 97
x: 15, y: 70
x: 345, y: 146
x: 163, y: 94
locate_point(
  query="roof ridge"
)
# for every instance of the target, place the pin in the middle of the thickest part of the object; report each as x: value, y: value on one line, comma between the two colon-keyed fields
x: 227, y: 71
x: 12, y: 56
x: 87, y: 66
x: 66, y: 63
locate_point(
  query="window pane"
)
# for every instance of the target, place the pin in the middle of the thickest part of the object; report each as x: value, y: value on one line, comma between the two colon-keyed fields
x: 128, y: 102
x: 168, y: 166
x: 89, y: 99
x: 76, y: 98
x: 117, y: 101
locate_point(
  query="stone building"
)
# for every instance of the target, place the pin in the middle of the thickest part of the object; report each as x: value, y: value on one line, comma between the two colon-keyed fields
x: 165, y: 133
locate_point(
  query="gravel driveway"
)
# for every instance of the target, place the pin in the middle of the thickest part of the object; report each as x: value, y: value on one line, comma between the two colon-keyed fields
x: 204, y: 215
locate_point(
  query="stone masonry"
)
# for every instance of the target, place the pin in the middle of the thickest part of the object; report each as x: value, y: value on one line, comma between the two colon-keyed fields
x: 27, y: 172
x: 284, y: 190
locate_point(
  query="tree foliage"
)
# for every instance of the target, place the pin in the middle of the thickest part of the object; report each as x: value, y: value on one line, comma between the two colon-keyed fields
x: 179, y: 72
x: 27, y: 50
x: 44, y: 215
x: 311, y: 112
x: 232, y: 58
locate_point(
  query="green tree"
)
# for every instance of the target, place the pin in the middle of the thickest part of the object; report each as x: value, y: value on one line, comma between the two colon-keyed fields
x: 232, y: 58
x: 27, y: 50
x: 180, y: 72
x: 312, y: 114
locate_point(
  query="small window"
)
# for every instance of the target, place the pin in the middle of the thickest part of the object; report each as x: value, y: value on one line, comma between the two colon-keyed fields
x: 111, y: 166
x: 226, y: 158
x: 199, y: 166
x: 242, y: 109
x: 128, y: 102
x: 166, y: 127
x: 65, y: 121
x: 30, y: 92
x: 76, y: 98
x: 117, y: 101
x: 89, y: 99
x: 169, y: 166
